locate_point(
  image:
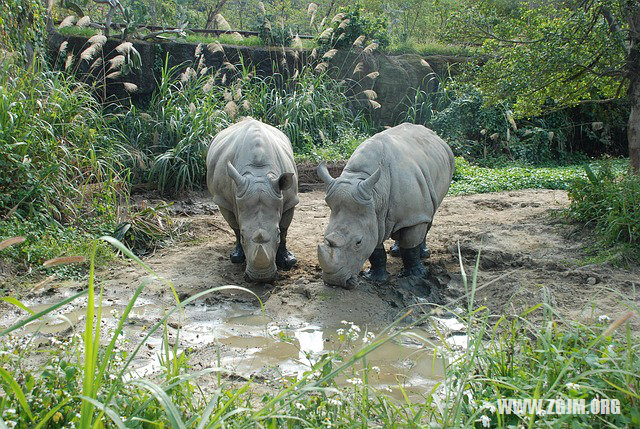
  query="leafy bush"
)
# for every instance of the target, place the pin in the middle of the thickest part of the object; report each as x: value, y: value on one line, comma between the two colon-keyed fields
x: 349, y: 24
x: 56, y: 149
x: 609, y: 203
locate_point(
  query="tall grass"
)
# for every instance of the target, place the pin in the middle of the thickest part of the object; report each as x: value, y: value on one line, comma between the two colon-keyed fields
x: 167, y: 143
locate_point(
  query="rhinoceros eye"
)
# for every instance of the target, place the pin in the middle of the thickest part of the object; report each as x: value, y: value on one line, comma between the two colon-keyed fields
x: 359, y: 242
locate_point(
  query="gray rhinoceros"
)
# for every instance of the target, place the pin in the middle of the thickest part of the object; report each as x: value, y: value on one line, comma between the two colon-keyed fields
x: 391, y: 187
x: 253, y: 179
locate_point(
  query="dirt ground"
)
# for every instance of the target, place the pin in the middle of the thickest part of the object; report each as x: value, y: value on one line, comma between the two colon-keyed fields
x: 526, y: 249
x: 528, y: 252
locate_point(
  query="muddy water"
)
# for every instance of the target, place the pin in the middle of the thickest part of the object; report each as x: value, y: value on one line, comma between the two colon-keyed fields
x: 247, y: 343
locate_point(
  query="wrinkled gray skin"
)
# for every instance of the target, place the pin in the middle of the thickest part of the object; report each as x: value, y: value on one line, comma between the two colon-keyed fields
x: 253, y: 179
x: 391, y: 187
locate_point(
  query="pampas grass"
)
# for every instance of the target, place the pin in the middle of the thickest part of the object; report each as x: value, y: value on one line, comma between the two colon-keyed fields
x: 222, y: 22
x: 215, y: 47
x: 330, y: 54
x: 231, y: 109
x: 83, y: 22
x: 374, y: 104
x: 370, y: 48
x: 67, y: 22
x: 370, y: 94
x: 373, y: 75
x: 359, y: 41
x: 358, y: 68
x: 124, y: 47
x: 116, y: 62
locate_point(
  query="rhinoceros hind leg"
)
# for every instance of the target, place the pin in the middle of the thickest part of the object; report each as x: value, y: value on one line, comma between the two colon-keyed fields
x: 424, y: 250
x: 237, y: 254
x: 412, y: 265
x: 378, y: 271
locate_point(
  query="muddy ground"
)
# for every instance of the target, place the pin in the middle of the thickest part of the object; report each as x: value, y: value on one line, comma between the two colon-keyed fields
x: 528, y: 252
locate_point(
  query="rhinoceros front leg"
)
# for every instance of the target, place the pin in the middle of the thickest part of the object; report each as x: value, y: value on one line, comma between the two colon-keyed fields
x: 285, y: 259
x: 378, y: 271
x: 411, y: 241
x: 237, y: 254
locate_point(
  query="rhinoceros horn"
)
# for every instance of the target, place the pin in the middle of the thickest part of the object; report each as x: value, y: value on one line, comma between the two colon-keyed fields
x: 240, y: 180
x: 365, y: 187
x: 323, y: 173
x: 261, y: 260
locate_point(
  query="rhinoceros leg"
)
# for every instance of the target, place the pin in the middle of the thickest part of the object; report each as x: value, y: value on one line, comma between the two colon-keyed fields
x: 237, y: 254
x: 411, y: 241
x: 424, y: 250
x: 378, y: 271
x: 285, y: 259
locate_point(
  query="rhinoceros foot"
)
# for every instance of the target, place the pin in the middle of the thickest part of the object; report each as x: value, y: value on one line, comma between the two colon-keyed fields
x: 376, y: 276
x: 415, y: 271
x: 424, y: 250
x: 237, y: 254
x: 285, y: 259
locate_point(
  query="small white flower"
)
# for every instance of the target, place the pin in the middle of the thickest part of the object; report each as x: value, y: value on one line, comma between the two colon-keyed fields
x: 344, y: 322
x: 340, y: 331
x: 489, y: 406
x: 603, y: 318
x: 300, y: 406
x: 335, y: 401
x: 355, y: 381
x: 486, y: 421
x: 376, y: 369
x: 573, y: 386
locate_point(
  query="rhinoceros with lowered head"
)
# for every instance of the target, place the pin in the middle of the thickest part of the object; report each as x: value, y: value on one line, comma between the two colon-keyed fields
x: 391, y: 187
x: 253, y: 179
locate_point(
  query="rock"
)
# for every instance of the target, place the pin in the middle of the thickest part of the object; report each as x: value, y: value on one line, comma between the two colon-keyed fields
x: 592, y: 281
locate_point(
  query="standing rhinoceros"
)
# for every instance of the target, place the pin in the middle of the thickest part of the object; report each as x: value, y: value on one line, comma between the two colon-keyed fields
x: 391, y: 187
x: 253, y: 179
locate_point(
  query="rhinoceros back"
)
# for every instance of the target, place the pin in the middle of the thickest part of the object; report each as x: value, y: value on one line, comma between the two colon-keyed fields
x: 251, y: 146
x: 417, y: 168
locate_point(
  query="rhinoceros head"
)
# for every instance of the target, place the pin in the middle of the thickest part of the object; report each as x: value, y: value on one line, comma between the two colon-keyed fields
x: 259, y: 209
x: 352, y: 233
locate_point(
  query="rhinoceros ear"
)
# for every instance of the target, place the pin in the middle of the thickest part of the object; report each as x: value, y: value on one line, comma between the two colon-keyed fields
x: 240, y: 180
x: 323, y: 174
x: 284, y: 182
x: 365, y: 187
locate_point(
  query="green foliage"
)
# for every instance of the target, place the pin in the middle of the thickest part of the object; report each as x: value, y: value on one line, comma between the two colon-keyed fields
x: 564, y: 52
x: 352, y: 22
x: 609, y: 203
x: 469, y: 179
x: 22, y: 23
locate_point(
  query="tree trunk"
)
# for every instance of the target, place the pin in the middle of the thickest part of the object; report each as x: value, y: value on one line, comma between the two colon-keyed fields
x: 633, y: 73
x: 633, y: 133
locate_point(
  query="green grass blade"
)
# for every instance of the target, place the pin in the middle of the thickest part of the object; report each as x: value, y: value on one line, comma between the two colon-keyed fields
x: 12, y: 300
x: 167, y: 405
x: 108, y: 411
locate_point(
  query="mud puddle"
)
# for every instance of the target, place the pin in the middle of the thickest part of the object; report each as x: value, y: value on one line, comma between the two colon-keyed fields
x: 248, y: 344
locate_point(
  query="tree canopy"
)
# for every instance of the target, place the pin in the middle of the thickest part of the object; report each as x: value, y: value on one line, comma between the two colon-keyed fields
x: 545, y: 55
